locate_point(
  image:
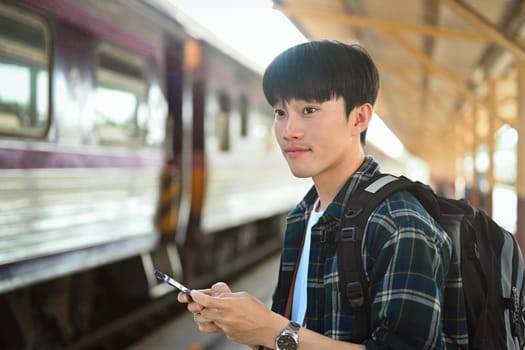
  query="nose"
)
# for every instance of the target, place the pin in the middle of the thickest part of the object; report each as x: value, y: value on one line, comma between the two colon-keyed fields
x: 293, y: 127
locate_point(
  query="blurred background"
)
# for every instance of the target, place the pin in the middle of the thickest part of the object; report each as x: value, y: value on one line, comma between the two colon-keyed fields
x: 134, y: 136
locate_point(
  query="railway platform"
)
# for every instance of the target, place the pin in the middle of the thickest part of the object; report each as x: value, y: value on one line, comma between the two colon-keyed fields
x: 182, y: 334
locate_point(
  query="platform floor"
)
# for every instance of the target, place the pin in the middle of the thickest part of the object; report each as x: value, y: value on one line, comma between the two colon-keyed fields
x: 182, y: 333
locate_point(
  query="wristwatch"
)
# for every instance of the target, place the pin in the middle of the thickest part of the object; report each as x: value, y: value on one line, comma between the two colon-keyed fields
x: 289, y: 337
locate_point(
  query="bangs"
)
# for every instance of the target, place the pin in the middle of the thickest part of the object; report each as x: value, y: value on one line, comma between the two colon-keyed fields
x: 302, y: 73
x: 320, y: 71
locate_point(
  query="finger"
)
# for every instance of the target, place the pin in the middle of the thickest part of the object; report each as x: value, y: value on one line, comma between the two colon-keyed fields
x: 183, y: 298
x: 207, y: 291
x: 195, y: 307
x: 201, y: 298
x: 208, y: 327
x: 205, y: 325
x: 218, y: 303
x: 219, y: 288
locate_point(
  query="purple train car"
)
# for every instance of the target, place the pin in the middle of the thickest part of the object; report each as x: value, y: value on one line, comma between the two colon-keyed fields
x: 126, y: 145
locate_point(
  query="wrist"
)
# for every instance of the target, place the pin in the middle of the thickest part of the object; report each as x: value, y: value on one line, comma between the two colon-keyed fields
x: 288, y: 338
x: 274, y: 329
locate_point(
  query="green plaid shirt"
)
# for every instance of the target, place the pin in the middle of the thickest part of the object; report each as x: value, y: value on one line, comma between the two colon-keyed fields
x: 416, y: 289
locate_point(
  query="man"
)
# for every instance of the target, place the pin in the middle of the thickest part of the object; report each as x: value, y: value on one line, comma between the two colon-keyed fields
x: 323, y: 94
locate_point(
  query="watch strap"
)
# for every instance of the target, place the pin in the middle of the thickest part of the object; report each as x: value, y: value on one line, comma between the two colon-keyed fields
x: 293, y: 326
x: 291, y: 330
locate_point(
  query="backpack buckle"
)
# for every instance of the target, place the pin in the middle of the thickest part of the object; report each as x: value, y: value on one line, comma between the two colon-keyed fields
x: 353, y: 212
x: 327, y: 237
x: 347, y: 234
x: 354, y: 293
x: 517, y: 312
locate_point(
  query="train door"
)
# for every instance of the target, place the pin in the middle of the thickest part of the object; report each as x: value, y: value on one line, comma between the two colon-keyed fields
x: 173, y: 214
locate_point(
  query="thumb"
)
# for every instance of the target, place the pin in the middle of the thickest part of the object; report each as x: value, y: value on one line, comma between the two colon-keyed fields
x: 219, y: 288
x: 200, y: 298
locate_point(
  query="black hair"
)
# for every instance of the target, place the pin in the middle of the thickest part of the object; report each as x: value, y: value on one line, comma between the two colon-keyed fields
x: 321, y: 70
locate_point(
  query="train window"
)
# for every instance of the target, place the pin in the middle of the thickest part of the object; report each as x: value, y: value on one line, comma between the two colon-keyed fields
x: 244, y: 115
x: 262, y: 130
x: 24, y: 68
x: 121, y: 110
x: 223, y: 122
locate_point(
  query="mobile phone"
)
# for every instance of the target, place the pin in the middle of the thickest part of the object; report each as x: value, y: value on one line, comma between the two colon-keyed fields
x: 167, y: 279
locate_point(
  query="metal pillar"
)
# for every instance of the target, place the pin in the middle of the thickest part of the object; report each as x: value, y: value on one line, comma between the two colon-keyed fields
x: 493, y: 111
x: 475, y: 190
x: 520, y: 176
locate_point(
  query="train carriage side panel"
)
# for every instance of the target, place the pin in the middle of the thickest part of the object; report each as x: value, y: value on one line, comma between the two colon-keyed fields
x: 85, y: 194
x: 247, y: 178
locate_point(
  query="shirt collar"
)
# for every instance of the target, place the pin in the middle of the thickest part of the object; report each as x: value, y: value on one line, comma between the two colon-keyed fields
x: 366, y: 170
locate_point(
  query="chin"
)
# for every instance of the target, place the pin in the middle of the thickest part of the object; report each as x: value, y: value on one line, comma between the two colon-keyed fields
x: 301, y: 174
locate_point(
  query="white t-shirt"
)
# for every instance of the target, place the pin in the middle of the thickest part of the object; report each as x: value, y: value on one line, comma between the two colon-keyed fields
x: 299, y: 293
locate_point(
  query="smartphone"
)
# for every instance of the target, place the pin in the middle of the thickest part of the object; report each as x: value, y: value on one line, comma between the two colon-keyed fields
x: 167, y: 279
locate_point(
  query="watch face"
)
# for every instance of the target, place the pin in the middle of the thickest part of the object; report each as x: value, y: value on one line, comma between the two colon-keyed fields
x: 286, y: 342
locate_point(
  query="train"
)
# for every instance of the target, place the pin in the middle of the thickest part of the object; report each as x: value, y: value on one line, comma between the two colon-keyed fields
x: 127, y: 144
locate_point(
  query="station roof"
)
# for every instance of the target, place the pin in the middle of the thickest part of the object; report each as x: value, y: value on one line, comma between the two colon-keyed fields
x: 447, y: 67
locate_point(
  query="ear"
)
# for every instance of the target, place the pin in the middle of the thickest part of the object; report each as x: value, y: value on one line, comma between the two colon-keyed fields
x: 361, y: 117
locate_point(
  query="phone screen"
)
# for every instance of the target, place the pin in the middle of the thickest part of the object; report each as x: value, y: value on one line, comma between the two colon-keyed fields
x: 167, y: 279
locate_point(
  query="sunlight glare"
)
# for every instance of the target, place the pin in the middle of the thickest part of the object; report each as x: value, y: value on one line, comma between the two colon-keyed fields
x: 258, y: 33
x: 383, y: 138
x: 252, y: 28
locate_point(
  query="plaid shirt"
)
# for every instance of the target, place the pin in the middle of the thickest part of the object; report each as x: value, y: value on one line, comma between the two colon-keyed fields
x: 415, y: 284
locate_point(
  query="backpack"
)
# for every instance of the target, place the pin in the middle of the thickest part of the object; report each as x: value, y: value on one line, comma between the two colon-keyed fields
x: 487, y: 254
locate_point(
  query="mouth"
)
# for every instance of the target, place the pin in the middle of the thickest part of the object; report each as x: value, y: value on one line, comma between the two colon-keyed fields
x: 294, y: 151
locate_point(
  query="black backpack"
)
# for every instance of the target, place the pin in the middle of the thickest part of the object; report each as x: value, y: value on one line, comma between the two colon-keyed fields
x: 488, y: 255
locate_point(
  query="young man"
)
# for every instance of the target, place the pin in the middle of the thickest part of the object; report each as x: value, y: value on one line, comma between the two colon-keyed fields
x: 323, y: 94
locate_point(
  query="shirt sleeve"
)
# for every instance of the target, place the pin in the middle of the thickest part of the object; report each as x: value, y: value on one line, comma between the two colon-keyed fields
x: 407, y: 258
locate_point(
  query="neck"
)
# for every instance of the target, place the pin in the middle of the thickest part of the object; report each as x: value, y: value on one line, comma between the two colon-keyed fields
x: 328, y: 187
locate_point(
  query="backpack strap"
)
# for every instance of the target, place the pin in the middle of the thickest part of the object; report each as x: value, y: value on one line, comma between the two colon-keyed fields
x: 516, y: 302
x: 355, y: 213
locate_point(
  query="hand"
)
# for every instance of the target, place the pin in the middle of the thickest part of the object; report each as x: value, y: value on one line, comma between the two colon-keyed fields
x: 205, y: 325
x: 241, y: 317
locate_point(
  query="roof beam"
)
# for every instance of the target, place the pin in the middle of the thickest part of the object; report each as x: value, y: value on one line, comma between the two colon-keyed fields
x: 487, y: 28
x: 384, y: 25
x: 429, y: 63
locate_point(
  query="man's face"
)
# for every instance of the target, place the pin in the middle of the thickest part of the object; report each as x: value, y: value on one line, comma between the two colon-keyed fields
x: 316, y: 138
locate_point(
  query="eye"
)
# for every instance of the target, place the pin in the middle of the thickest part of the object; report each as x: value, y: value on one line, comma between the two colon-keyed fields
x: 309, y: 110
x: 278, y: 113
